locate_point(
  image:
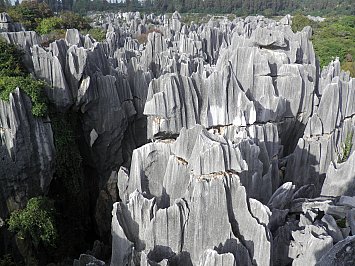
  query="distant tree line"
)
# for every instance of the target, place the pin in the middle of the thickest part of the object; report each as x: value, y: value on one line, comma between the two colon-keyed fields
x: 238, y: 7
x: 246, y: 7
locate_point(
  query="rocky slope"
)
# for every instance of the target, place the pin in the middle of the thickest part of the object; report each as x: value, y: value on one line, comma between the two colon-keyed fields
x: 214, y: 144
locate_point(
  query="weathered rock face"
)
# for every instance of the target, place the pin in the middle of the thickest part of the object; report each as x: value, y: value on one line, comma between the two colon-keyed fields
x: 27, y: 153
x: 246, y: 160
x: 249, y: 84
x: 192, y: 177
x: 318, y: 152
x: 343, y: 253
x: 7, y: 25
x: 268, y: 146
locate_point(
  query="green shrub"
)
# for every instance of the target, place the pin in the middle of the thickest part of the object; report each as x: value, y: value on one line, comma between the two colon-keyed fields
x: 13, y: 74
x: 97, y: 33
x: 35, y: 221
x: 72, y: 20
x: 7, y: 260
x: 30, y: 13
x: 300, y: 21
x: 33, y: 88
x: 346, y: 148
x: 47, y: 25
x: 10, y: 60
x: 341, y: 223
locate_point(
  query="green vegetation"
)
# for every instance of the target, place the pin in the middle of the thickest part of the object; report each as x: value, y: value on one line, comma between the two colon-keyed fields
x: 30, y: 13
x: 346, y: 148
x: 341, y: 223
x: 33, y: 88
x: 72, y: 20
x: 334, y: 37
x: 66, y: 20
x: 40, y: 18
x: 237, y: 7
x: 83, y: 6
x: 10, y: 60
x: 13, y: 74
x: 47, y: 25
x: 242, y: 7
x: 68, y: 159
x: 97, y: 33
x: 7, y: 260
x: 36, y: 221
x: 300, y: 21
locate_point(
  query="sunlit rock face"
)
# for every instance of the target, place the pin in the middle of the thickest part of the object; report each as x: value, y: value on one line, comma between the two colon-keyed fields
x: 219, y: 143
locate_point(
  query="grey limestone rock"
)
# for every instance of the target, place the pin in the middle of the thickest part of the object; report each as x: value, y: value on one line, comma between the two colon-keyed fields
x: 309, y: 245
x: 332, y: 228
x: 122, y: 248
x: 205, y: 176
x: 282, y: 196
x: 343, y: 253
x: 7, y: 25
x: 351, y: 220
x: 212, y: 258
x: 347, y: 201
x: 340, y: 179
x: 88, y: 260
x: 245, y: 131
x: 27, y: 152
x: 47, y: 66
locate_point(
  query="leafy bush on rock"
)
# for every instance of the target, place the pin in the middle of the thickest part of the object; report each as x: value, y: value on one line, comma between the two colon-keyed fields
x: 35, y: 221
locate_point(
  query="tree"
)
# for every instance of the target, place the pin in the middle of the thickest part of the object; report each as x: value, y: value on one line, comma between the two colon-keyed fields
x: 30, y: 13
x: 36, y: 221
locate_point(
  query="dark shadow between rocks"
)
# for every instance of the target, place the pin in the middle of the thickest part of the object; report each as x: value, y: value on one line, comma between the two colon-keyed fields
x: 160, y: 253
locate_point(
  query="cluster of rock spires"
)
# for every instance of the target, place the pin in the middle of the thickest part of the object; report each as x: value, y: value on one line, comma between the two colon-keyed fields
x: 223, y: 140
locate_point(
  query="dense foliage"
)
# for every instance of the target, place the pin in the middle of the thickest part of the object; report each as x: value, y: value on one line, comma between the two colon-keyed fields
x: 10, y: 60
x: 97, y: 33
x: 83, y: 6
x: 245, y: 7
x: 300, y: 21
x: 334, y: 37
x: 29, y: 13
x: 36, y: 221
x: 33, y: 88
x: 13, y: 74
x: 66, y: 20
x: 39, y: 17
x: 7, y: 260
